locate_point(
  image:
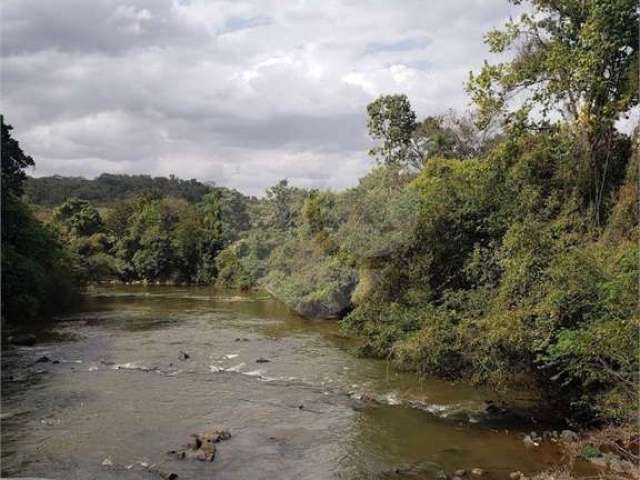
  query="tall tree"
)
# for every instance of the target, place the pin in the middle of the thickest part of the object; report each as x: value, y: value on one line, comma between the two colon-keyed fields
x: 14, y: 162
x: 576, y: 58
x: 36, y: 273
x: 393, y: 122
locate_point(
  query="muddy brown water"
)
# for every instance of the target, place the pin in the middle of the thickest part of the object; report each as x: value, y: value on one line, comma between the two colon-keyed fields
x: 122, y: 395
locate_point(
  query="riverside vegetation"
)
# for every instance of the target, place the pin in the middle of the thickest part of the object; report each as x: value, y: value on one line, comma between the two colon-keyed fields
x: 499, y: 246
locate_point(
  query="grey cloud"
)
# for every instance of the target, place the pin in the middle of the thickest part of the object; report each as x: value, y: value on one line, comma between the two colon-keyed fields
x: 240, y: 92
x: 104, y: 26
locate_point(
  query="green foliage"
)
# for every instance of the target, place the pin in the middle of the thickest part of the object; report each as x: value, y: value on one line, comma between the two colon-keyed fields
x: 14, y: 162
x: 580, y: 57
x: 281, y: 209
x: 382, y: 324
x: 37, y: 271
x: 589, y: 451
x: 576, y: 61
x: 381, y: 215
x: 504, y: 278
x: 392, y: 121
x: 36, y: 274
x: 309, y: 279
x: 451, y: 136
x: 243, y: 263
x: 79, y: 217
x: 107, y: 188
x: 314, y: 213
x: 151, y: 238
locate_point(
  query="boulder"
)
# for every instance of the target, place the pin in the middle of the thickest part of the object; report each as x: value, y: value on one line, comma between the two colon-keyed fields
x: 331, y: 306
x: 313, y: 302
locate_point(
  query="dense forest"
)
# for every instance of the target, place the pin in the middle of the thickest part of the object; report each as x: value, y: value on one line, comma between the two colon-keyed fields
x: 499, y: 246
x: 52, y: 191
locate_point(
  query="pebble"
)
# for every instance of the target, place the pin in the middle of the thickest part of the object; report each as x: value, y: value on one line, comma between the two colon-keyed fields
x: 515, y: 475
x: 460, y: 473
x: 478, y: 472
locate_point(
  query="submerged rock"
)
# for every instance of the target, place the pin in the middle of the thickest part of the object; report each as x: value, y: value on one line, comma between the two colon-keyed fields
x: 493, y: 408
x: 418, y: 470
x: 262, y: 360
x: 42, y: 359
x: 23, y: 339
x: 202, y: 447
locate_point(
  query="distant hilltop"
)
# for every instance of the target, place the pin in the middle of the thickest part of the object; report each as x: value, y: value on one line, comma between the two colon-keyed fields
x: 107, y: 188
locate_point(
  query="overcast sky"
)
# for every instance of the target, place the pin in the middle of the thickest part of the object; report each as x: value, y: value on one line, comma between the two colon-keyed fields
x: 237, y: 92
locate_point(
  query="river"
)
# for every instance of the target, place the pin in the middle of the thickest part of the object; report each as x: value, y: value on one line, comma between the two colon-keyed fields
x: 117, y: 394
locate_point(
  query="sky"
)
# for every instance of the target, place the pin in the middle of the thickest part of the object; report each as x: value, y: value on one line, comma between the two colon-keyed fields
x: 240, y: 93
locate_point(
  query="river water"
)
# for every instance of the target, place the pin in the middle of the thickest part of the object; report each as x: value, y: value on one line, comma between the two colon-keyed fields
x: 118, y: 394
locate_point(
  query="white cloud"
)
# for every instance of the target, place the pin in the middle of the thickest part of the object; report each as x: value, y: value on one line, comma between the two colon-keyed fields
x: 240, y: 92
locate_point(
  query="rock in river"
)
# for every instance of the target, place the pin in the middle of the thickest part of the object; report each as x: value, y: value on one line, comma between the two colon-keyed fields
x: 23, y: 340
x: 202, y: 447
x: 319, y: 303
x: 417, y: 470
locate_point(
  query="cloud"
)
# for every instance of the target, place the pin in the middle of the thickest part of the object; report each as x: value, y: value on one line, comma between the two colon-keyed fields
x: 240, y: 92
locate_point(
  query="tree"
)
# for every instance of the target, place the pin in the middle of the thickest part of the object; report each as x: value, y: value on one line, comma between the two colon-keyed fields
x: 283, y: 204
x: 450, y: 136
x: 14, y: 162
x: 79, y: 217
x: 312, y: 212
x: 576, y: 58
x: 393, y: 122
x: 36, y: 269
